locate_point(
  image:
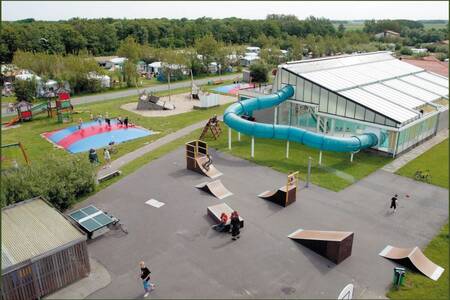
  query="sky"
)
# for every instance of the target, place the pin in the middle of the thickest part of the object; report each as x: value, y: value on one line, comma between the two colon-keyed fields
x: 335, y: 10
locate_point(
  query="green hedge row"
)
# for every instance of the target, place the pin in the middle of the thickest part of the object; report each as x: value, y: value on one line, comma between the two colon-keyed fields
x: 61, y: 180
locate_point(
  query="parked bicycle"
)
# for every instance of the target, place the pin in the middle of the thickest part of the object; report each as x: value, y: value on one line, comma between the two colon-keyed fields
x: 423, y: 176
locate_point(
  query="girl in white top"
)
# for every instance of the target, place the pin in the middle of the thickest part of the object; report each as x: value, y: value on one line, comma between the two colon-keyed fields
x: 107, y: 157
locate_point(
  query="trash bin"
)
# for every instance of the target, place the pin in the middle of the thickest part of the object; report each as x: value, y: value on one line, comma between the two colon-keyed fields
x: 399, y: 276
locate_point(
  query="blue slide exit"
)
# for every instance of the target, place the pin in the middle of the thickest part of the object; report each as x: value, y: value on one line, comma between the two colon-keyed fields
x: 232, y: 117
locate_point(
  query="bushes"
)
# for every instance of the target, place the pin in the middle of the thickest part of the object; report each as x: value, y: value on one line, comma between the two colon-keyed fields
x: 406, y: 51
x: 258, y: 72
x: 25, y: 90
x: 61, y: 180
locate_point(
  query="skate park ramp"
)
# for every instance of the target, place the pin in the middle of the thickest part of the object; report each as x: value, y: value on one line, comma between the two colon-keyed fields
x: 215, y: 211
x: 280, y: 196
x: 416, y: 257
x: 334, y: 245
x: 212, y: 172
x: 215, y: 188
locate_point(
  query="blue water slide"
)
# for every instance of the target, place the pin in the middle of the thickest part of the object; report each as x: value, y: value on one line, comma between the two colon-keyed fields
x: 232, y: 117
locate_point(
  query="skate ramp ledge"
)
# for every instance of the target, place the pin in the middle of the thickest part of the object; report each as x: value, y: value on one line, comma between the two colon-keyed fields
x: 215, y: 211
x: 316, y: 235
x: 416, y: 257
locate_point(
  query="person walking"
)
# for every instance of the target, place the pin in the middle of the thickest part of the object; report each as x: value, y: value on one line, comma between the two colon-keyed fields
x: 394, y: 203
x: 235, y: 225
x: 145, y: 277
x: 80, y: 123
x: 108, y: 121
x: 125, y: 121
x: 99, y: 119
x: 107, y: 157
x: 119, y: 120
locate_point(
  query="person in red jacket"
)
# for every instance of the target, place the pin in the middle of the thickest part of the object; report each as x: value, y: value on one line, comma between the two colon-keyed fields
x: 223, y: 222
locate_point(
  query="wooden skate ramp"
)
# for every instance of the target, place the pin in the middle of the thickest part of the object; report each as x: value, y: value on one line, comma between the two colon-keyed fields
x: 212, y: 172
x: 334, y: 245
x: 280, y: 196
x: 215, y: 211
x: 416, y: 257
x: 216, y: 188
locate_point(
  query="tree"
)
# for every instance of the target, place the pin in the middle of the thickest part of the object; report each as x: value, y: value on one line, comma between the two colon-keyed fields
x: 341, y: 30
x: 207, y: 47
x: 259, y: 72
x: 25, y: 90
x: 130, y: 49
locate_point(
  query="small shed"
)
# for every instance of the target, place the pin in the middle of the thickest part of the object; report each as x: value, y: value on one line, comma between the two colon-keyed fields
x: 41, y: 250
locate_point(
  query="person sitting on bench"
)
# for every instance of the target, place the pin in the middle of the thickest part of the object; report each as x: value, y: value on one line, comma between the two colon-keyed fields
x: 221, y: 227
x: 207, y: 163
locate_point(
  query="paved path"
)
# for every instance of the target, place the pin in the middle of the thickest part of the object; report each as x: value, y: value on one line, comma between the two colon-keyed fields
x: 130, y: 92
x: 415, y: 152
x: 123, y: 160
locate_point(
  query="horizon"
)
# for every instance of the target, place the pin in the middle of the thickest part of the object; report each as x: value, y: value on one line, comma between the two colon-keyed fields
x: 349, y: 11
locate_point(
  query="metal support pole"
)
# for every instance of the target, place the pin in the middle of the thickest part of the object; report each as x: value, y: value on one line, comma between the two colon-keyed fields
x: 351, y: 157
x: 239, y: 136
x: 320, y: 158
x: 308, y: 177
x: 253, y: 147
x: 229, y: 138
x: 287, y: 149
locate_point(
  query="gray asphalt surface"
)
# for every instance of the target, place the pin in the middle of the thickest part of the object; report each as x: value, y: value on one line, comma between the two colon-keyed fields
x: 190, y: 260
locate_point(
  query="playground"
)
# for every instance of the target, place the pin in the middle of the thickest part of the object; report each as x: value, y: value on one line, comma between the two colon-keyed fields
x: 93, y: 135
x: 233, y: 89
x: 182, y: 102
x: 264, y: 263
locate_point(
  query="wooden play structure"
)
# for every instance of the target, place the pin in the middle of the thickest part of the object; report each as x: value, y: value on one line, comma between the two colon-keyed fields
x: 62, y: 109
x: 285, y: 195
x: 9, y: 160
x: 147, y: 101
x: 197, y: 159
x: 213, y: 125
x: 215, y: 211
x: 215, y: 188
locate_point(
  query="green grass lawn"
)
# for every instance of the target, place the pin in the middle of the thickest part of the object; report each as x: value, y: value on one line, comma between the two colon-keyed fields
x: 418, y: 286
x: 435, y: 160
x: 336, y: 172
x: 8, y: 99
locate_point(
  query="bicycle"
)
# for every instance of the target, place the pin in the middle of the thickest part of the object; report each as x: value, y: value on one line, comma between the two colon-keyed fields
x: 423, y: 176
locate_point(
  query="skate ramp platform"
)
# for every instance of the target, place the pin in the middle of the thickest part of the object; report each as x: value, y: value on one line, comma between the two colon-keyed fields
x: 215, y: 188
x: 334, y: 245
x: 215, y: 211
x: 416, y: 257
x: 283, y: 196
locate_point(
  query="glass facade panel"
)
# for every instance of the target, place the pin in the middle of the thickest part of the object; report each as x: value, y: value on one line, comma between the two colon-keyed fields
x: 300, y: 89
x: 359, y: 112
x: 284, y: 76
x: 370, y: 116
x: 315, y: 94
x: 379, y: 119
x: 390, y: 123
x: 341, y: 106
x: 350, y: 111
x: 323, y: 100
x: 283, y: 113
x: 292, y: 80
x: 332, y: 102
x: 308, y: 91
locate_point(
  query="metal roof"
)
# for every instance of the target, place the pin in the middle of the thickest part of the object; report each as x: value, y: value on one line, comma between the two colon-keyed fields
x: 376, y: 80
x: 32, y: 228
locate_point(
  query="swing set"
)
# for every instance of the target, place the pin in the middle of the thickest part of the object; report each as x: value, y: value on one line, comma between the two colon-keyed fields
x: 10, y: 158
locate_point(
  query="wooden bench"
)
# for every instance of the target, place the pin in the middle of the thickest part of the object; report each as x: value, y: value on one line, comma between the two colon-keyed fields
x: 219, y: 81
x: 216, y: 210
x: 109, y: 175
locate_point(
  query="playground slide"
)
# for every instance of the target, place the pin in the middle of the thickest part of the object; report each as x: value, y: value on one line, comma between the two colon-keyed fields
x: 39, y: 108
x: 232, y: 117
x: 13, y: 121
